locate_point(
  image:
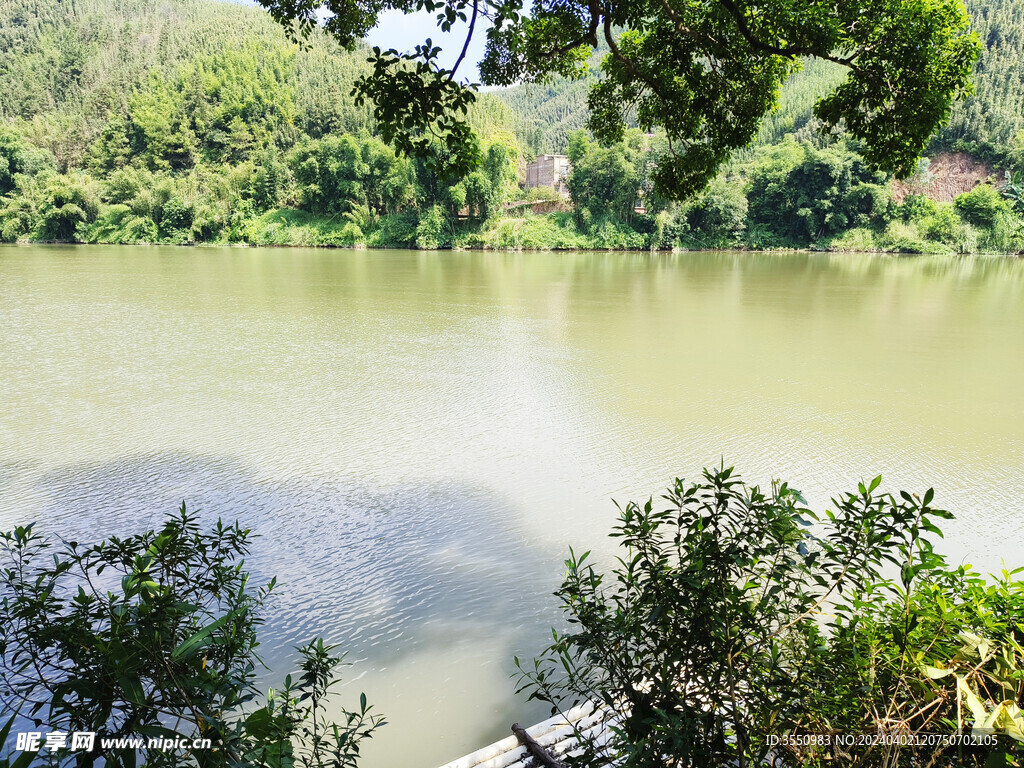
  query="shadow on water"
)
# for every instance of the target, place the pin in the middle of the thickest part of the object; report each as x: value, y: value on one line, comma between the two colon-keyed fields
x: 403, y: 578
x: 378, y: 570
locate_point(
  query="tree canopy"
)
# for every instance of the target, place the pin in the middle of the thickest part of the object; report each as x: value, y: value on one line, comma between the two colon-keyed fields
x: 707, y: 72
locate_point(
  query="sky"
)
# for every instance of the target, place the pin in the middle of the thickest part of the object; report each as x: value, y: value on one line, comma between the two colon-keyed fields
x: 404, y: 32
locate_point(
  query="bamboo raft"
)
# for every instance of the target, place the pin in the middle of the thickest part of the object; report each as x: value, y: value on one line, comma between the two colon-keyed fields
x: 542, y: 745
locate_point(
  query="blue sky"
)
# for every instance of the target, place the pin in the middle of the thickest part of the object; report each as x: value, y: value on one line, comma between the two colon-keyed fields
x: 404, y: 32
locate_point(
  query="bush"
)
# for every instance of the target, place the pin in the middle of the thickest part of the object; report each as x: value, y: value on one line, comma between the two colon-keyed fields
x: 17, y: 217
x: 900, y: 237
x: 732, y: 617
x: 394, y: 230
x: 916, y: 208
x: 944, y: 225
x: 1004, y: 236
x: 67, y: 204
x: 548, y: 231
x: 542, y: 194
x: 431, y: 228
x: 719, y: 215
x: 857, y: 239
x: 154, y: 635
x: 118, y: 224
x: 981, y: 206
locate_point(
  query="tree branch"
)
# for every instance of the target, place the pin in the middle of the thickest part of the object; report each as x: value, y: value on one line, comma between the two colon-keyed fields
x: 469, y: 36
x: 789, y: 51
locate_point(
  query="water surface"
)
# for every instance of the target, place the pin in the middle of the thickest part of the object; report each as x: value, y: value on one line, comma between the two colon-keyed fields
x: 418, y: 437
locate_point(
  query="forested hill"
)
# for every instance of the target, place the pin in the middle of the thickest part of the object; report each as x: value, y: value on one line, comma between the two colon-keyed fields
x: 198, y: 75
x: 989, y: 124
x: 66, y: 66
x: 196, y: 121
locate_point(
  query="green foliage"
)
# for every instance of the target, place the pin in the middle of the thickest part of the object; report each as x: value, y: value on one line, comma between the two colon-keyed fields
x: 548, y: 112
x: 718, y: 216
x: 65, y: 205
x: 858, y: 239
x: 155, y: 635
x: 916, y: 208
x: 803, y: 194
x: 432, y: 230
x: 610, y: 181
x: 706, y: 75
x: 990, y: 121
x: 734, y: 613
x: 17, y: 157
x: 395, y: 231
x: 551, y: 232
x: 496, y: 180
x: 981, y: 206
x: 901, y: 237
x: 216, y: 129
x: 336, y: 173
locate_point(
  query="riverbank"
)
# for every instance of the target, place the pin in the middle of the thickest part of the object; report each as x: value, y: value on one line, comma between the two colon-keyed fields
x: 554, y: 231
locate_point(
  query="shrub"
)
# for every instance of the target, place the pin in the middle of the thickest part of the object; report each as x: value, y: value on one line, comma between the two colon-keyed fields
x: 548, y: 231
x: 67, y: 204
x: 856, y: 239
x: 1004, y: 236
x: 943, y: 225
x: 394, y: 230
x: 154, y: 635
x: 916, y: 208
x: 905, y: 238
x: 734, y: 614
x: 719, y: 215
x: 981, y: 206
x: 430, y: 230
x: 542, y: 193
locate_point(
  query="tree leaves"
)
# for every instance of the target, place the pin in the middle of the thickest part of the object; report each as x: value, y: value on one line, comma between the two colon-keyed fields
x: 707, y: 73
x: 170, y: 642
x: 727, y: 617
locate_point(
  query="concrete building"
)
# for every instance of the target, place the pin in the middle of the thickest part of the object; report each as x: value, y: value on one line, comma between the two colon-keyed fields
x: 549, y: 171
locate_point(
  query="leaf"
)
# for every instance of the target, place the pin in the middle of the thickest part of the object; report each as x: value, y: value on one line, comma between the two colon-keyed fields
x: 973, y: 702
x: 193, y: 642
x: 935, y: 673
x: 133, y: 690
x: 259, y: 723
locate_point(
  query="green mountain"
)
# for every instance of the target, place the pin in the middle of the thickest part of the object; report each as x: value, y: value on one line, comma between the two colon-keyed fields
x: 70, y: 67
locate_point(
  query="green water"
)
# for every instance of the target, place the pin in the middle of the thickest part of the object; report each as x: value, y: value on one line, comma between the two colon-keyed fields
x: 419, y: 436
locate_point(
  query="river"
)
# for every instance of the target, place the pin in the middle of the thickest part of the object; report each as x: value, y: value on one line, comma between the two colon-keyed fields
x: 418, y: 436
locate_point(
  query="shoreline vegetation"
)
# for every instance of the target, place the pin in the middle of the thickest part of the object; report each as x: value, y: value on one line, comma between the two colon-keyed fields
x: 733, y: 215
x: 514, y: 249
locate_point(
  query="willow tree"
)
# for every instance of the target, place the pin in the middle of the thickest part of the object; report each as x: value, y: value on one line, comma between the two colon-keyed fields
x: 706, y: 72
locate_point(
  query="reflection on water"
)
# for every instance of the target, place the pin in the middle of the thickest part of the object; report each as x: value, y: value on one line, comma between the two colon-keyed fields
x: 417, y: 437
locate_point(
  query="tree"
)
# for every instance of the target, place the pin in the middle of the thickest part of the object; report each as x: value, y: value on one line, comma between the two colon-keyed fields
x: 18, y: 157
x: 705, y: 71
x: 802, y: 194
x: 981, y: 206
x: 719, y: 215
x: 495, y: 181
x: 734, y: 614
x: 66, y: 203
x: 155, y: 635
